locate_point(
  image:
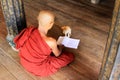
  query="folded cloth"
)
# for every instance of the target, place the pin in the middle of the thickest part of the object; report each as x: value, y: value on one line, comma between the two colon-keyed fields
x: 35, y: 54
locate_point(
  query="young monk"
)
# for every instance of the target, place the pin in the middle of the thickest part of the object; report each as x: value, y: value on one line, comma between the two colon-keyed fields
x: 35, y: 48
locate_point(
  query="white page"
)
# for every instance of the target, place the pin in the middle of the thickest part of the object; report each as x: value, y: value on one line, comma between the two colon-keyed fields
x: 65, y: 40
x: 68, y: 42
x: 71, y: 43
x: 60, y: 39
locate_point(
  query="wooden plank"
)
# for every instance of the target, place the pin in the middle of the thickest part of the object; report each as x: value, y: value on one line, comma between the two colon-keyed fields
x: 86, y: 71
x: 84, y: 17
x: 13, y: 67
x: 5, y: 74
x: 67, y: 73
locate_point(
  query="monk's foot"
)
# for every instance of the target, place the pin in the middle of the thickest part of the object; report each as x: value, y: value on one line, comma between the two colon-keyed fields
x: 15, y: 49
x: 10, y: 38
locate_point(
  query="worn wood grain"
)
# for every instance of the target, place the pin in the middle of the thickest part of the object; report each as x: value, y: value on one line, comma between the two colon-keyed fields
x: 90, y: 23
x: 5, y: 74
x: 13, y: 67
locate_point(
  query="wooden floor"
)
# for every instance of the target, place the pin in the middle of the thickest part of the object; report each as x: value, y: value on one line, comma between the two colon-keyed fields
x: 90, y: 23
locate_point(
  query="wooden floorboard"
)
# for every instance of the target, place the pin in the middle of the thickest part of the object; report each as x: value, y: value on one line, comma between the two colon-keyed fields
x: 89, y: 22
x: 5, y: 74
x: 13, y: 67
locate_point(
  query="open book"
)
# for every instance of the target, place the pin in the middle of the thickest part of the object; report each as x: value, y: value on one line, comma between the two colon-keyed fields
x: 68, y: 42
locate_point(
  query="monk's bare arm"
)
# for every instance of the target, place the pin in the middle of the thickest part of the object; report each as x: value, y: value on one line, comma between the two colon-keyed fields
x: 53, y: 45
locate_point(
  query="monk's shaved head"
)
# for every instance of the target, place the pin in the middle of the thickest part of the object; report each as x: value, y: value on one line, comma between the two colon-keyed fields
x: 45, y: 17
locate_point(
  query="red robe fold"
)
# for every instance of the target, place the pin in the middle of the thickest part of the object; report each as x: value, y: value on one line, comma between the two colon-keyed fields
x: 35, y: 53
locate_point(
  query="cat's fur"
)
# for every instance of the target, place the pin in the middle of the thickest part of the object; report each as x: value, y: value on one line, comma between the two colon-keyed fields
x: 66, y: 30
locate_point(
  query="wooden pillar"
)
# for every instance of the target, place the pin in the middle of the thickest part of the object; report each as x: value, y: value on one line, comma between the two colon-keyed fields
x: 14, y: 16
x: 111, y: 51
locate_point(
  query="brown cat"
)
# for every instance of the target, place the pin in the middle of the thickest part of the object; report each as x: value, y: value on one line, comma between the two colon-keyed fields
x: 66, y: 30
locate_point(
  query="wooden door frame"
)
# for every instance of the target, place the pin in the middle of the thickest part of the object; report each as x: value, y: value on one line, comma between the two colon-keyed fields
x: 112, y: 45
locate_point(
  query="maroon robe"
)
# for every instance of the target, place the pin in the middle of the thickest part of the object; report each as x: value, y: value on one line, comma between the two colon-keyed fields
x: 35, y: 54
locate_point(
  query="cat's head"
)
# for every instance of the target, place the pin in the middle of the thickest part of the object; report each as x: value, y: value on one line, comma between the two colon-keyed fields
x: 65, y: 27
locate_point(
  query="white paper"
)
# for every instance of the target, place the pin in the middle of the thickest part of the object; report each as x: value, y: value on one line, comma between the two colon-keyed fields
x: 68, y: 42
